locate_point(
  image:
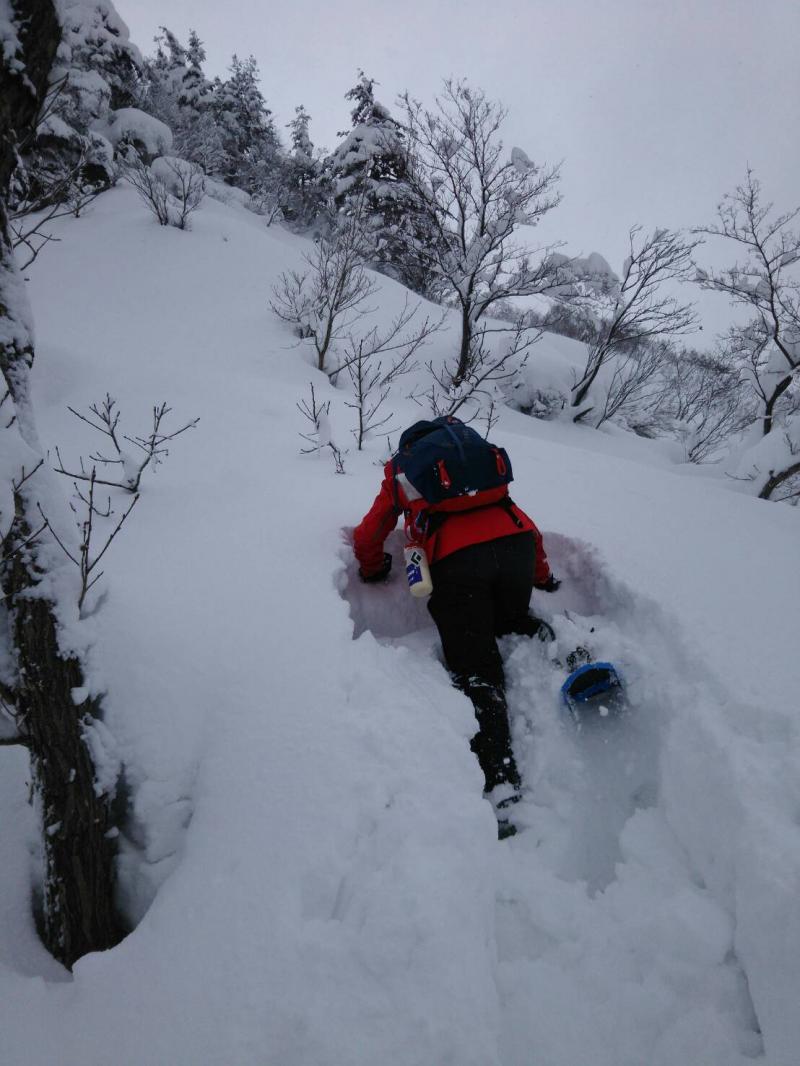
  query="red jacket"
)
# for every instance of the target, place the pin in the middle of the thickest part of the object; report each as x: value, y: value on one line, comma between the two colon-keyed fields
x: 465, y: 524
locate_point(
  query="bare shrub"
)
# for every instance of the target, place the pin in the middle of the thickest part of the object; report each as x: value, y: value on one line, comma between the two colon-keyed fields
x: 765, y: 348
x: 363, y: 359
x: 320, y: 435
x: 186, y: 184
x: 171, y: 189
x: 635, y: 374
x: 63, y: 191
x: 323, y: 303
x: 706, y: 400
x: 152, y: 190
x: 151, y: 448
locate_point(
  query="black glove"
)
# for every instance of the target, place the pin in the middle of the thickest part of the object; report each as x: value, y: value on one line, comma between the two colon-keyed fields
x: 379, y: 575
x: 550, y: 585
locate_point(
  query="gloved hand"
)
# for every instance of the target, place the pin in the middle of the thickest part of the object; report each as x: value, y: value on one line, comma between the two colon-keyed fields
x: 379, y: 575
x: 550, y: 585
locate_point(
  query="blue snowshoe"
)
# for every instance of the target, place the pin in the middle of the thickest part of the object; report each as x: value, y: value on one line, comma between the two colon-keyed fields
x: 593, y: 689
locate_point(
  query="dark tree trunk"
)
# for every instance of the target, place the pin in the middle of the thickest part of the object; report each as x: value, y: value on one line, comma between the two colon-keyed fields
x: 78, y: 912
x: 465, y: 350
x: 775, y: 480
x: 583, y: 386
x: 769, y: 408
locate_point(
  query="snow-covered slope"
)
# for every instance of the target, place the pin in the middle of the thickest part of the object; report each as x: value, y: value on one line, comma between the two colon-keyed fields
x: 315, y: 876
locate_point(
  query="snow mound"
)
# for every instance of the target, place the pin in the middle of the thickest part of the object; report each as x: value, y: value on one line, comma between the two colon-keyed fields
x: 132, y: 126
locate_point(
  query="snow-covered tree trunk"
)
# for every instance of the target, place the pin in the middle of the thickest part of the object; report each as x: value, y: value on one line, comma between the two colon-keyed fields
x: 47, y: 692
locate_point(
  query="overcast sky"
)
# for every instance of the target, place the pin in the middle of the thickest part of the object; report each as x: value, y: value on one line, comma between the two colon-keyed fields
x: 656, y: 107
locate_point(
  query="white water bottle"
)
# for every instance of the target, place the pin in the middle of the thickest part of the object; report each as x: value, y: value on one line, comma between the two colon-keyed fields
x: 418, y: 572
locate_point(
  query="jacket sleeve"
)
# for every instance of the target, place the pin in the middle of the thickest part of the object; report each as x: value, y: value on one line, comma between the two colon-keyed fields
x: 541, y: 570
x: 375, y: 527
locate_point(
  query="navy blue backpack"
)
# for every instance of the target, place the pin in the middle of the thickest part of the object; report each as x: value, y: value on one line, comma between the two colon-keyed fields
x: 443, y: 459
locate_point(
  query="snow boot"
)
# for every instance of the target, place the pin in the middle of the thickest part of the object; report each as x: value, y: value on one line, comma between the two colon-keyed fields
x: 580, y: 657
x: 503, y: 798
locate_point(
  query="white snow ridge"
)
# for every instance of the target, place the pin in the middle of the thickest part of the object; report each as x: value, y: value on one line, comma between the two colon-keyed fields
x: 312, y: 872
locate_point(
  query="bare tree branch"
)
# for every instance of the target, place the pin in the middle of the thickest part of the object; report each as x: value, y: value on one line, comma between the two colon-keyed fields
x: 24, y: 544
x: 323, y: 303
x: 106, y: 421
x: 475, y: 199
x: 84, y: 560
x: 766, y: 283
x: 320, y: 436
x: 489, y: 371
x: 640, y: 313
x: 170, y: 198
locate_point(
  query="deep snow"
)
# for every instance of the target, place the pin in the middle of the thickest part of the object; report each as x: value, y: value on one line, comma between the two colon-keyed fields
x: 315, y: 876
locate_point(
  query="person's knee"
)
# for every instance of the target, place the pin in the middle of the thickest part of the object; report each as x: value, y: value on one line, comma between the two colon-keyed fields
x: 485, y: 687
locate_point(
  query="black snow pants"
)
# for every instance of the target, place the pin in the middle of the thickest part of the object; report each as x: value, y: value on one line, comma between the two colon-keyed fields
x: 480, y: 593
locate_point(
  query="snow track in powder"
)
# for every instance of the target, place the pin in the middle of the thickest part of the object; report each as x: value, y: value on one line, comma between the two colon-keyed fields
x: 598, y: 907
x: 599, y: 916
x: 593, y: 774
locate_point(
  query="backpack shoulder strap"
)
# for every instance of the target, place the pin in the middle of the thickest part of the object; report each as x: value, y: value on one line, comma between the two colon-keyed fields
x: 395, y: 493
x: 509, y: 507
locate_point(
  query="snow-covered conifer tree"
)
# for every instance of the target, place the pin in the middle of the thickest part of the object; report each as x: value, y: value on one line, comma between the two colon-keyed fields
x: 163, y: 78
x: 249, y: 139
x: 95, y: 75
x: 178, y: 93
x: 369, y: 175
x: 98, y: 42
x: 195, y: 85
x: 305, y: 186
x: 300, y: 137
x: 168, y: 68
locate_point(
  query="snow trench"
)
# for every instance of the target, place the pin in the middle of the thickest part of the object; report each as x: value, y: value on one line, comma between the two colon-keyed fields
x: 611, y: 947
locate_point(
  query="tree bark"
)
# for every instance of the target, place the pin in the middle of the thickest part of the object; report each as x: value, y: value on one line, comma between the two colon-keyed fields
x: 583, y: 386
x: 465, y: 349
x: 775, y: 480
x: 78, y: 913
x: 22, y: 92
x: 769, y: 406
